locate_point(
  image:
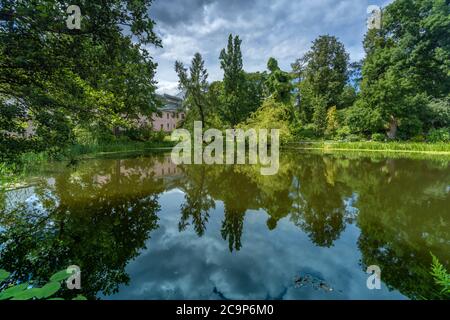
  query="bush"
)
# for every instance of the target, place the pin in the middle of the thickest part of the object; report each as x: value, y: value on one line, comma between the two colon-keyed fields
x: 409, y: 127
x: 363, y: 120
x: 437, y: 113
x: 271, y: 115
x: 379, y: 137
x: 418, y: 138
x: 343, y: 132
x: 306, y: 132
x: 158, y: 136
x: 439, y: 135
x: 139, y: 133
x: 354, y: 138
x: 92, y: 135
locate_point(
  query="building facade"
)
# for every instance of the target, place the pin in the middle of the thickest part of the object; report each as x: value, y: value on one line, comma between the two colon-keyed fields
x: 169, y: 117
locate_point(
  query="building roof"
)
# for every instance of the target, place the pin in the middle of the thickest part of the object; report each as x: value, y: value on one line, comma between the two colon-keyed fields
x: 171, y: 102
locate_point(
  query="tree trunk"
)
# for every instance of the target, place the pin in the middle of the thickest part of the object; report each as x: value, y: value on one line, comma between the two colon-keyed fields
x: 393, y: 126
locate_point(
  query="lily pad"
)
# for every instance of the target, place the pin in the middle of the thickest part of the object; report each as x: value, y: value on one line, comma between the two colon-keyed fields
x: 60, y: 276
x: 27, y: 294
x: 49, y: 289
x: 79, y: 297
x: 13, y: 291
x: 3, y: 275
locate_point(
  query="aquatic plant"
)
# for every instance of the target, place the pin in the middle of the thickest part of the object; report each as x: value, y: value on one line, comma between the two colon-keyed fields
x: 26, y: 291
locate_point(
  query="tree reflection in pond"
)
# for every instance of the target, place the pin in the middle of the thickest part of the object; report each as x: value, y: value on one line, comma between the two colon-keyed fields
x: 101, y: 214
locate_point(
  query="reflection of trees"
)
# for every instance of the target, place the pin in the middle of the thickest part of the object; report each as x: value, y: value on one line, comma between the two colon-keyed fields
x: 238, y: 194
x: 400, y: 205
x: 205, y: 184
x: 318, y: 200
x: 99, y: 216
x: 197, y: 203
x: 232, y: 227
x: 403, y: 217
x: 96, y: 217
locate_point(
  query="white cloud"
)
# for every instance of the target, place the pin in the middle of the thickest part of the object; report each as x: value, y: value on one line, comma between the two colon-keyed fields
x: 170, y: 87
x: 283, y: 29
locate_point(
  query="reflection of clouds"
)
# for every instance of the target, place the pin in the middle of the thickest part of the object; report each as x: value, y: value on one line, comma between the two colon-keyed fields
x: 183, y: 266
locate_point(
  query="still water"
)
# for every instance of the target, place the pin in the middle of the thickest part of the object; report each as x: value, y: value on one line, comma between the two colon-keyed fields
x: 141, y: 227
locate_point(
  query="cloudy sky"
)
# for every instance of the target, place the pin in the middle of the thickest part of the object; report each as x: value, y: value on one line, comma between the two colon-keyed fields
x: 282, y: 29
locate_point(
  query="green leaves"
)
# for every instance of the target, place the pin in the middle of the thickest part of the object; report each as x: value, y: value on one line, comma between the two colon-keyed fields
x: 13, y: 291
x: 49, y: 289
x: 3, y: 275
x: 22, y: 292
x: 441, y: 276
x: 72, y: 78
x: 60, y: 276
x: 26, y: 294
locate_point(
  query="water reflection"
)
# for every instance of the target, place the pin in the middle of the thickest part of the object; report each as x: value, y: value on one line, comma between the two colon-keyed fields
x: 145, y: 228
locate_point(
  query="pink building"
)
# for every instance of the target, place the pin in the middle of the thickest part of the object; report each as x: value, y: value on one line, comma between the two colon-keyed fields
x: 170, y: 115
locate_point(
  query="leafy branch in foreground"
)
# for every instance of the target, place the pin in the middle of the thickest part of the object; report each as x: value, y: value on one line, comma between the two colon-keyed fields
x: 441, y: 276
x: 26, y: 291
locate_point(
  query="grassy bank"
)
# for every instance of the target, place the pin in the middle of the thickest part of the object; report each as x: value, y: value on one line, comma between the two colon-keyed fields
x: 369, y: 146
x: 79, y: 151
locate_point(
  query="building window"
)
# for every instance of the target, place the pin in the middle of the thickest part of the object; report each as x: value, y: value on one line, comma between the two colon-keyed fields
x: 167, y: 115
x: 168, y: 127
x: 162, y: 127
x: 182, y: 116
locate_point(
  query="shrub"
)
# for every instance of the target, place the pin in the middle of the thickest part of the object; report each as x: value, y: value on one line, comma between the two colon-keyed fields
x: 354, y: 138
x: 271, y: 115
x: 306, y: 132
x: 158, y: 136
x: 418, y: 138
x: 361, y: 119
x: 343, y: 132
x: 409, y: 127
x: 439, y: 135
x: 437, y: 113
x: 92, y: 135
x: 379, y: 137
x: 143, y: 133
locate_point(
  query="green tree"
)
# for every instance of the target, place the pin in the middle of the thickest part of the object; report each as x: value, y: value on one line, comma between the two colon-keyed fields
x: 407, y: 63
x: 320, y: 115
x: 195, y: 85
x: 323, y: 71
x: 332, y: 121
x: 57, y: 78
x: 278, y: 82
x: 236, y: 99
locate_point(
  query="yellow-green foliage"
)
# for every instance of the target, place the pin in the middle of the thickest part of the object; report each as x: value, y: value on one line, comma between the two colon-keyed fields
x: 332, y: 121
x: 271, y: 115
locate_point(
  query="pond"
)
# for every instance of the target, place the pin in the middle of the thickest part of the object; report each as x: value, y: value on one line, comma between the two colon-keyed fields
x: 140, y: 227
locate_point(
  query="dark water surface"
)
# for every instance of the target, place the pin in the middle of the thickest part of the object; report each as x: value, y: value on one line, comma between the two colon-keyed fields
x: 143, y: 228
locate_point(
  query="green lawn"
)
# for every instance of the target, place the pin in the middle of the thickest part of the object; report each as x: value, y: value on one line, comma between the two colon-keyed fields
x: 403, y: 147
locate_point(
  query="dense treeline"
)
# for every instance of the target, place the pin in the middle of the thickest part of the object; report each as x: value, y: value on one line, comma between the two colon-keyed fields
x: 399, y: 91
x: 80, y: 86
